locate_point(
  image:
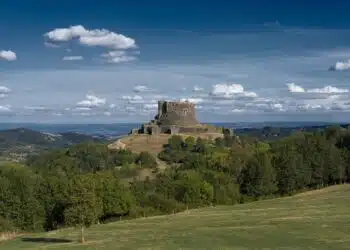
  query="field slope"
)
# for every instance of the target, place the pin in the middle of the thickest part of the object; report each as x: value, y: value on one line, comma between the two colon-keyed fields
x: 312, y: 220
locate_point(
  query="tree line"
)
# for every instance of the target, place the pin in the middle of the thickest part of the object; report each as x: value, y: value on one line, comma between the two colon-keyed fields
x: 89, y: 184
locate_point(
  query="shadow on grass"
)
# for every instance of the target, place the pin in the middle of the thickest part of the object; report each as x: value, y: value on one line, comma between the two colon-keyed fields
x: 46, y: 240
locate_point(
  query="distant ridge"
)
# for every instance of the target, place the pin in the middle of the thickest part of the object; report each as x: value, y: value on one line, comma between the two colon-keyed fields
x: 16, y: 144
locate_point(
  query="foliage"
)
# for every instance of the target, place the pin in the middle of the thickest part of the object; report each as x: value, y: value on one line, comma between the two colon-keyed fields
x: 18, y: 201
x: 88, y: 183
x: 146, y: 160
x: 84, y: 207
x: 6, y: 225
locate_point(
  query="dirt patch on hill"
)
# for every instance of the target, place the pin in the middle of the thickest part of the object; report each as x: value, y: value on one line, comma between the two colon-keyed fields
x: 153, y: 143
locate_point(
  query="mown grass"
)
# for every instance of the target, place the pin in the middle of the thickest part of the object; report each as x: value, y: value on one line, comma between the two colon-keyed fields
x: 313, y: 220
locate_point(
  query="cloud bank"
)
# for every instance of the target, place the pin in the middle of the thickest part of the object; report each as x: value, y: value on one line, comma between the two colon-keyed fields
x: 231, y: 76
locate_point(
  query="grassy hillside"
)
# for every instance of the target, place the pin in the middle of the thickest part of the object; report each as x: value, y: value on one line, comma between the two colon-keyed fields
x: 154, y: 143
x: 312, y: 220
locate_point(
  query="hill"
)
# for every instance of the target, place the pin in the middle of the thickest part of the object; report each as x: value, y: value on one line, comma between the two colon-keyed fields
x: 153, y: 143
x: 311, y: 220
x: 17, y: 144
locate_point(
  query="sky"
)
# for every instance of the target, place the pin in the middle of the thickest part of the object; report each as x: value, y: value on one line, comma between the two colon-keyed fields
x: 111, y: 61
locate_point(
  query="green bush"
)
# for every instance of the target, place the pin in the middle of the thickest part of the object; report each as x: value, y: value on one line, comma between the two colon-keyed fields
x: 146, y: 160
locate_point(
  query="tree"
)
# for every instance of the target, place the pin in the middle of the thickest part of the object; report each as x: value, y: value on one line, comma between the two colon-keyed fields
x: 116, y: 199
x: 259, y: 177
x: 191, y: 189
x: 18, y: 201
x: 190, y: 141
x: 226, y: 190
x: 146, y: 160
x: 286, y: 161
x: 200, y: 145
x: 85, y: 207
x: 121, y: 157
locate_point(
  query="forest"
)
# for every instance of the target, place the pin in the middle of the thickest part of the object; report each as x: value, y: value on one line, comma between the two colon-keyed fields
x: 89, y: 184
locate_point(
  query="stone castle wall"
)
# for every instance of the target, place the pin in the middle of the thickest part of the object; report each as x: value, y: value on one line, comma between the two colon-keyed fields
x: 174, y: 118
x: 177, y: 113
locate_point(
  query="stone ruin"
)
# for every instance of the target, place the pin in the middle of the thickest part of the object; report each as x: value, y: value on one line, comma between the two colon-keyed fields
x: 174, y: 118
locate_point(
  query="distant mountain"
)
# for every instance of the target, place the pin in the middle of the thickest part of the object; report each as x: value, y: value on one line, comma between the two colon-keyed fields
x: 276, y: 132
x: 17, y: 144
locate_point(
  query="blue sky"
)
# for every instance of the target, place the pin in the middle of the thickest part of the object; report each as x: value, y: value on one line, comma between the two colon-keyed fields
x: 110, y: 61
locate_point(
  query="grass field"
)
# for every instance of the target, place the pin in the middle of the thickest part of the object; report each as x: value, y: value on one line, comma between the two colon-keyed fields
x: 312, y: 220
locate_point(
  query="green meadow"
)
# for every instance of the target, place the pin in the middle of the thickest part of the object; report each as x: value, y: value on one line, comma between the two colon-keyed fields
x: 312, y: 220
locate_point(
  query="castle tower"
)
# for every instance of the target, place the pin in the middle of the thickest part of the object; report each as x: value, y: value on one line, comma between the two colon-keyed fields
x: 177, y: 113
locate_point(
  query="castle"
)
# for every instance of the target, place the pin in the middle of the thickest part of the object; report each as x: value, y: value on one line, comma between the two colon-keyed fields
x: 174, y: 118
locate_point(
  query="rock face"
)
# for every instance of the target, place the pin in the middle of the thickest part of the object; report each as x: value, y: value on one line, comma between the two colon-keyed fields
x: 117, y: 145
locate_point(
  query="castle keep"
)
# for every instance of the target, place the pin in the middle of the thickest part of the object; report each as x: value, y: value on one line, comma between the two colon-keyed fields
x: 176, y: 113
x: 173, y: 118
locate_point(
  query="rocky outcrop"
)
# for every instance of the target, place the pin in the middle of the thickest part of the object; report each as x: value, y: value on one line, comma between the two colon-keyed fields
x: 117, y: 145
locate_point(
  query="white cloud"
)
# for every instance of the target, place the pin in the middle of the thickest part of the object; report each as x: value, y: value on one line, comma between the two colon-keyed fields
x: 5, y: 108
x: 308, y: 106
x: 51, y: 45
x: 340, y: 66
x: 83, y: 108
x: 85, y: 114
x: 133, y: 99
x: 277, y: 107
x: 198, y: 89
x: 115, y: 53
x: 237, y: 110
x: 36, y: 108
x: 292, y: 87
x: 118, y: 56
x: 4, y: 90
x: 130, y: 109
x: 228, y: 91
x: 72, y: 58
x: 325, y: 90
x: 328, y: 90
x: 150, y: 106
x: 95, y: 37
x: 140, y: 88
x: 122, y: 59
x: 192, y: 100
x: 92, y: 101
x: 262, y: 105
x: 8, y: 55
